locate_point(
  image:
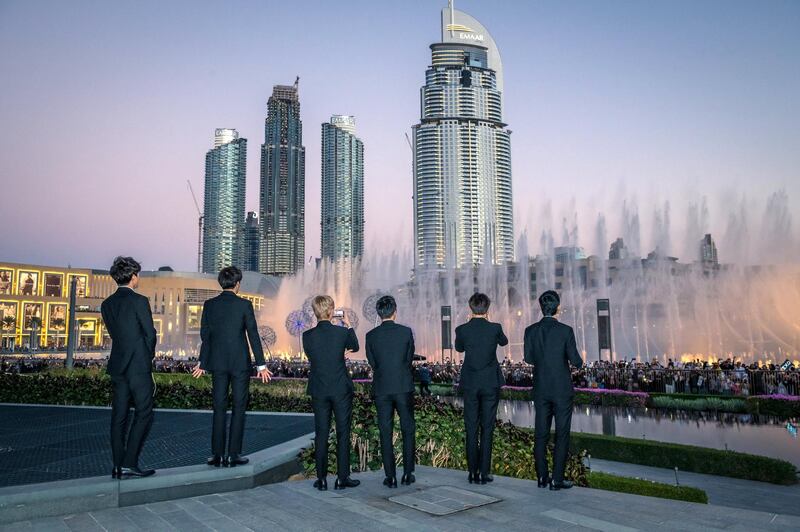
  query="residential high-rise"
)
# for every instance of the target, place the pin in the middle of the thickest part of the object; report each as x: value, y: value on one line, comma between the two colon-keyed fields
x: 251, y: 243
x: 223, y: 204
x: 463, y: 212
x: 282, y: 209
x: 342, y: 221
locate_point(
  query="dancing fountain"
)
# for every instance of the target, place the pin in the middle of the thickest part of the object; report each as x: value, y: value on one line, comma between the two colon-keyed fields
x: 661, y: 308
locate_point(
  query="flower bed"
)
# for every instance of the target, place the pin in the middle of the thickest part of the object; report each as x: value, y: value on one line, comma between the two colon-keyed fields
x: 782, y: 406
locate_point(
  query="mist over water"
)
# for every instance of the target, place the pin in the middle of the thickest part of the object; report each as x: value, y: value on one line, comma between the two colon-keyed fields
x: 746, y: 308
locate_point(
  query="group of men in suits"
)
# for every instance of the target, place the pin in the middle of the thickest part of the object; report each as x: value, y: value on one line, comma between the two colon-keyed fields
x: 229, y: 332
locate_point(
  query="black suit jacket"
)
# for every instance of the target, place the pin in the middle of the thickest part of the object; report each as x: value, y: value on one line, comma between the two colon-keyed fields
x: 129, y: 322
x: 478, y: 340
x: 550, y: 346
x: 390, y: 351
x: 324, y: 346
x: 228, y: 323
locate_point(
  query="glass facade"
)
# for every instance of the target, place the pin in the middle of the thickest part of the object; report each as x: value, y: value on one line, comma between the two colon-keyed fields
x: 463, y: 212
x: 282, y: 207
x: 224, y: 198
x: 342, y: 221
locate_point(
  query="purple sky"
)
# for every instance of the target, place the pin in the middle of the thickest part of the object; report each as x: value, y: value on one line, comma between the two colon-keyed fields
x: 107, y: 108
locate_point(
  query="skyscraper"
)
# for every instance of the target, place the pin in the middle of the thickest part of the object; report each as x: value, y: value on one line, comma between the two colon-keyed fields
x: 282, y: 209
x: 463, y: 212
x: 708, y: 251
x: 342, y: 221
x: 251, y: 243
x: 223, y: 204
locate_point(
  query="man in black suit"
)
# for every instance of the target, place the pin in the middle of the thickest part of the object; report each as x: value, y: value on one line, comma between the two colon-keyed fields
x: 331, y: 389
x: 550, y: 346
x: 227, y: 324
x: 390, y: 352
x: 129, y: 322
x: 481, y: 379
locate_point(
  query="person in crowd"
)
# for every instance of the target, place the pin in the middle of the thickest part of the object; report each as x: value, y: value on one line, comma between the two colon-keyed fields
x: 424, y: 380
x: 227, y: 325
x: 331, y: 389
x: 481, y: 380
x: 129, y: 322
x: 550, y: 347
x: 390, y: 352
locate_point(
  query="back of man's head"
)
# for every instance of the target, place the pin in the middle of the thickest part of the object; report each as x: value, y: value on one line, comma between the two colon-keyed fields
x: 323, y: 307
x: 228, y: 277
x: 549, y: 302
x: 386, y: 307
x: 479, y: 303
x: 123, y: 270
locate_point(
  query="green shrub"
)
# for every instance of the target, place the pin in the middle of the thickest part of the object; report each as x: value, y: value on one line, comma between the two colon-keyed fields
x: 713, y: 404
x: 648, y: 488
x: 685, y: 458
x: 440, y: 443
x: 172, y: 391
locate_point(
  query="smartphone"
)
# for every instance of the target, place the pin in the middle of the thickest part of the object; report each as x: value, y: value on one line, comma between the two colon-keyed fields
x: 338, y: 313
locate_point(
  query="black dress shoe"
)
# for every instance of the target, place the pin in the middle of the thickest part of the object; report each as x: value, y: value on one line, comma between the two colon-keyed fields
x: 474, y: 477
x: 345, y: 483
x: 543, y: 482
x: 390, y: 482
x: 116, y: 472
x: 408, y: 479
x: 486, y: 478
x: 234, y: 460
x: 563, y: 485
x: 321, y: 484
x: 136, y: 472
x: 215, y: 461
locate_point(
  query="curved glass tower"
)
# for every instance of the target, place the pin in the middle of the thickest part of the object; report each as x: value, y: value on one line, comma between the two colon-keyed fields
x: 463, y: 214
x: 226, y: 166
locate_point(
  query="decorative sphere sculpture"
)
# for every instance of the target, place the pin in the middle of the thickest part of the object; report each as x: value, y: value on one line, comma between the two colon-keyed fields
x: 368, y: 307
x: 267, y: 335
x: 297, y: 322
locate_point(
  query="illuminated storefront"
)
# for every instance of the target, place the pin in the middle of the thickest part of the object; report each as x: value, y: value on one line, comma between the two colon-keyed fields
x: 34, y: 304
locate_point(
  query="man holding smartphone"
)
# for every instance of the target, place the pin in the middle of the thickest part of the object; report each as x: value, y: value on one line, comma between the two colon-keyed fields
x: 330, y: 388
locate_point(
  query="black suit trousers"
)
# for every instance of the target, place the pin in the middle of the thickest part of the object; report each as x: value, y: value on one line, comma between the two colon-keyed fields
x: 239, y: 385
x: 546, y: 410
x: 137, y: 387
x: 342, y: 409
x: 387, y: 405
x: 480, y: 413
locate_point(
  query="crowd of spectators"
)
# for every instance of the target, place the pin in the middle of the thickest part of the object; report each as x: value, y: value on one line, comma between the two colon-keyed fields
x: 726, y: 377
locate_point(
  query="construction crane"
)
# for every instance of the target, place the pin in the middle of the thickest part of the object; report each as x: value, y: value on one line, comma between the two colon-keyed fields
x: 199, y: 229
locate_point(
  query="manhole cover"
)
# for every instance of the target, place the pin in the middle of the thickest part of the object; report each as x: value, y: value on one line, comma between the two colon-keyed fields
x: 443, y: 500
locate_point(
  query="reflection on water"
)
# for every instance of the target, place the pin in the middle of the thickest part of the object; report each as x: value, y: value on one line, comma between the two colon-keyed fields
x: 761, y: 435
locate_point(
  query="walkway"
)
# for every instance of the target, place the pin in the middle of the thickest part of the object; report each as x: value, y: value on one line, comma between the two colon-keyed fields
x: 295, y: 505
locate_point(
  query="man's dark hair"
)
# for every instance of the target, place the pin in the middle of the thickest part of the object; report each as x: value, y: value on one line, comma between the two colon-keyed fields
x: 386, y: 306
x: 123, y: 270
x: 549, y: 301
x: 228, y: 277
x: 479, y: 303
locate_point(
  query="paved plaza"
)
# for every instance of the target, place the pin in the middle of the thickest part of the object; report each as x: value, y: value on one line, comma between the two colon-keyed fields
x: 294, y: 505
x: 51, y: 443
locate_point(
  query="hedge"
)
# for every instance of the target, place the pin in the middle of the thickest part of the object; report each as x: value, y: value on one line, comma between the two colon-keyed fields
x: 781, y: 406
x: 700, y: 404
x: 638, y: 486
x: 685, y: 458
x: 172, y: 391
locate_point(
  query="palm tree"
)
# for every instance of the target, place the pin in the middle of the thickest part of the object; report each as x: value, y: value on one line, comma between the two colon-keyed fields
x: 8, y: 323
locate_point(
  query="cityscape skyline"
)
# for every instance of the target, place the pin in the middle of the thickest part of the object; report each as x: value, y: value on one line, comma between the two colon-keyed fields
x: 682, y: 131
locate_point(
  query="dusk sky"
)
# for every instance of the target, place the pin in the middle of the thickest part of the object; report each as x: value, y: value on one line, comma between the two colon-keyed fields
x: 107, y: 108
